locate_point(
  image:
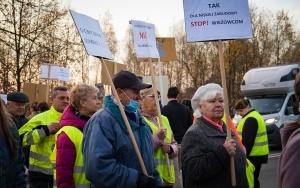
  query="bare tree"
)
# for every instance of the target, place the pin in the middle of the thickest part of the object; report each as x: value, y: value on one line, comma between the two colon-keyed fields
x: 108, y: 29
x: 23, y: 30
x: 284, y: 36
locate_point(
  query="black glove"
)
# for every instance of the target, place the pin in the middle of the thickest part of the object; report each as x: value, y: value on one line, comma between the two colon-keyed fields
x: 145, y: 181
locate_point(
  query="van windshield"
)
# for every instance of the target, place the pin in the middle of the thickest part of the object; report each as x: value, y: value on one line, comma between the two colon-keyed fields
x: 267, y: 104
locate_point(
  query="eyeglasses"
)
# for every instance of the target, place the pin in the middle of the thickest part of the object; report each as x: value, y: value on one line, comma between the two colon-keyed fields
x: 152, y: 96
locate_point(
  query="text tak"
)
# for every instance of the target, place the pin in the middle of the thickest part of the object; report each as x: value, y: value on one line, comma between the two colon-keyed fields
x: 214, y: 5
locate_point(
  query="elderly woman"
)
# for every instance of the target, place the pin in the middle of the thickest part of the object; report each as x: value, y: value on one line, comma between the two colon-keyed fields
x: 67, y: 153
x: 163, y: 137
x: 206, y: 150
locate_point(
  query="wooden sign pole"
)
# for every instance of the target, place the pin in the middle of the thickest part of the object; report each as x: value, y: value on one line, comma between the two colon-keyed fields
x: 222, y: 68
x: 138, y: 153
x: 158, y: 112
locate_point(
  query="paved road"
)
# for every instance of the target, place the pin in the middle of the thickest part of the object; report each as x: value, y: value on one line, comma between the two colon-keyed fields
x: 268, y: 173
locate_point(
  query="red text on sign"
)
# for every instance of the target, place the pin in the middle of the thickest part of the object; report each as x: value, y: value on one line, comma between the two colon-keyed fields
x: 144, y: 35
x: 199, y: 23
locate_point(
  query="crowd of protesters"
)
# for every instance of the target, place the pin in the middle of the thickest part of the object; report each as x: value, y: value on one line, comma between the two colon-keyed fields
x: 122, y: 140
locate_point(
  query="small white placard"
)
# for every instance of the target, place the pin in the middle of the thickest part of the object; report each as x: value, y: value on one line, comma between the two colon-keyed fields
x: 53, y: 74
x: 207, y: 20
x: 144, y: 39
x: 64, y: 74
x: 92, y: 36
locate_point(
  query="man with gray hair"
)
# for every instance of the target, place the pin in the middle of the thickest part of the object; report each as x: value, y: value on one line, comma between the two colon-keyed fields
x: 39, y: 134
x: 15, y: 105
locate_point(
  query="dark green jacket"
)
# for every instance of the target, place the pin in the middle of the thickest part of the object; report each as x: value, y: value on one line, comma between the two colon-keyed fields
x: 12, y: 168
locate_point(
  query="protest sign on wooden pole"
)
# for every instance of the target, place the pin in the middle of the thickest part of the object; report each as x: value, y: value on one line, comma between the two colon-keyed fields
x: 125, y: 119
x: 95, y: 44
x: 223, y: 78
x: 208, y: 20
x: 159, y: 112
x: 145, y: 46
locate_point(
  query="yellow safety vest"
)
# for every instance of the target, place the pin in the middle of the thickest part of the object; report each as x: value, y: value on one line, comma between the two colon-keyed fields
x: 260, y: 146
x: 41, y: 146
x: 76, y: 137
x: 159, y: 155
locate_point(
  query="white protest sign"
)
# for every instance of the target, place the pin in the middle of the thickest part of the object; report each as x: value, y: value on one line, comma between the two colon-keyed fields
x: 4, y: 97
x: 92, y: 36
x: 56, y: 72
x: 44, y: 71
x: 49, y: 74
x: 63, y: 74
x: 144, y: 39
x: 216, y: 19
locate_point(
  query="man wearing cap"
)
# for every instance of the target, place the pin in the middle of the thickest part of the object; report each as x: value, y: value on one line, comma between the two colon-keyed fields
x: 16, y: 102
x: 15, y: 105
x: 39, y: 134
x: 109, y: 156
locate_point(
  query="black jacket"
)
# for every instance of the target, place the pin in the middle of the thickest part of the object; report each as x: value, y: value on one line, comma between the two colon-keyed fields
x: 179, y: 117
x: 205, y: 161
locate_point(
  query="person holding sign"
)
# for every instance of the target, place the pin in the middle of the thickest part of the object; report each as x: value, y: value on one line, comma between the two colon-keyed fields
x: 163, y: 137
x: 206, y: 150
x: 109, y: 156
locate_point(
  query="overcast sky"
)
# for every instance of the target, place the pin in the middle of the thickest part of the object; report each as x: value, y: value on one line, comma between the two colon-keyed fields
x: 162, y: 13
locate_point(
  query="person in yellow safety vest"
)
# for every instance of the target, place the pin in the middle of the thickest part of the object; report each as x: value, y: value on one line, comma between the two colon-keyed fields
x: 253, y: 133
x: 39, y: 134
x: 67, y: 157
x: 163, y: 138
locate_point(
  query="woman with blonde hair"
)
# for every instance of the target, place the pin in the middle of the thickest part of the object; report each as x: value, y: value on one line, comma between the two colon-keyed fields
x: 163, y: 137
x: 67, y: 156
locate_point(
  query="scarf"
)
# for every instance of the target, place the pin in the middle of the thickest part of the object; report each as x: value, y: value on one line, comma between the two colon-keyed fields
x: 135, y: 119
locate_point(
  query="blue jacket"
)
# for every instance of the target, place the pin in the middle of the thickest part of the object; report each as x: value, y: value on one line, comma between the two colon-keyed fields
x: 109, y: 156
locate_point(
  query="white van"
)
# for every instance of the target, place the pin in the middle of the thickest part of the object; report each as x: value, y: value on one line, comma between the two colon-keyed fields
x: 271, y: 92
